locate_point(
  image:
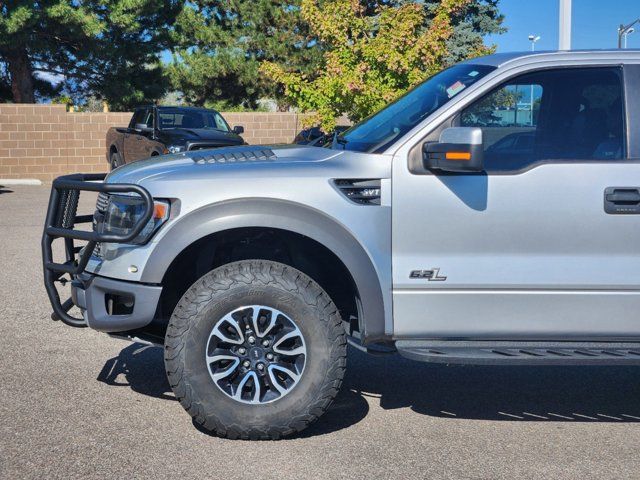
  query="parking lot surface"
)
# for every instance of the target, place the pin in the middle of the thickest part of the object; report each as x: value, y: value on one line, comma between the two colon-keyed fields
x: 78, y: 404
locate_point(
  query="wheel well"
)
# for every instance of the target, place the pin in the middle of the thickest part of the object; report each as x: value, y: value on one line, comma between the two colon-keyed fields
x: 154, y: 154
x: 298, y: 251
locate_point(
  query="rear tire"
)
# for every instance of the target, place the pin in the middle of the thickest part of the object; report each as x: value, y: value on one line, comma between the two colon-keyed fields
x: 214, y: 315
x: 115, y: 160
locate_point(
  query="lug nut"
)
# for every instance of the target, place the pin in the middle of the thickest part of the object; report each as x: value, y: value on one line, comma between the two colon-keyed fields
x: 269, y: 356
x: 252, y: 340
x: 246, y: 364
x: 265, y: 343
x: 242, y: 350
x: 260, y: 366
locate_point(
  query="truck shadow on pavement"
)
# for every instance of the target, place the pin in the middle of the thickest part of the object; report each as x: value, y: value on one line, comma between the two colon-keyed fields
x: 551, y: 393
x: 4, y: 189
x: 509, y: 393
x: 140, y: 367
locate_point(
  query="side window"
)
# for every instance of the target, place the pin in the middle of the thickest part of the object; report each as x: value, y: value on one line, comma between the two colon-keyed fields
x: 138, y: 117
x: 148, y: 118
x: 220, y: 123
x: 552, y: 115
x: 142, y: 115
x: 170, y: 120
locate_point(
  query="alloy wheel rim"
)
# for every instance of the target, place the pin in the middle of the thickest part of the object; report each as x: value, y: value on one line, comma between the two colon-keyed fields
x: 255, y: 354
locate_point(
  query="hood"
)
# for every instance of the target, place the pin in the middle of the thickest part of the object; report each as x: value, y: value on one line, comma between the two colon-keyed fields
x: 244, y: 161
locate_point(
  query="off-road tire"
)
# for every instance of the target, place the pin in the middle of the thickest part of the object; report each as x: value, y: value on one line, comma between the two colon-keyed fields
x: 255, y: 282
x: 115, y: 160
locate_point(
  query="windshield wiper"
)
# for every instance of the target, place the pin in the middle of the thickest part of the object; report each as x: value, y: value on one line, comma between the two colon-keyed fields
x: 340, y: 140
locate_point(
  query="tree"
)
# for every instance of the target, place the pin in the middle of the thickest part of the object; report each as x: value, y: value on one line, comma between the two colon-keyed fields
x: 31, y: 32
x: 106, y: 48
x: 470, y: 23
x: 221, y: 43
x: 123, y: 64
x: 376, y: 51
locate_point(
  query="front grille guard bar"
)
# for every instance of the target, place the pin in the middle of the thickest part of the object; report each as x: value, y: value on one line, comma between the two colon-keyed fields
x: 61, y: 219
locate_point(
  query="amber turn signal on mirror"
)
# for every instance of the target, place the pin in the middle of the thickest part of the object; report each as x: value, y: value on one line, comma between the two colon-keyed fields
x: 458, y: 156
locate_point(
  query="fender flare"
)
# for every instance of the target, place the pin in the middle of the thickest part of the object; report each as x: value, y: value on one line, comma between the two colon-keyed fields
x: 284, y: 215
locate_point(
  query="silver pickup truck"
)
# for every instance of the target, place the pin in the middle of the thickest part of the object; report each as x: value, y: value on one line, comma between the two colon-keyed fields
x: 491, y: 215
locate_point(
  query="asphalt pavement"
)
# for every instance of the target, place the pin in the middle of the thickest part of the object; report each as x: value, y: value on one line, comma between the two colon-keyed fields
x: 75, y: 403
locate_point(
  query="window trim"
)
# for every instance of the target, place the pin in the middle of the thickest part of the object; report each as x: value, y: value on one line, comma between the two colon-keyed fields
x: 631, y: 83
x: 625, y: 137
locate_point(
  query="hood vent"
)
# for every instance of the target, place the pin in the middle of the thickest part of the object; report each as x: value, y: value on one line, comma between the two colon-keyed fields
x: 234, y: 155
x: 363, y: 192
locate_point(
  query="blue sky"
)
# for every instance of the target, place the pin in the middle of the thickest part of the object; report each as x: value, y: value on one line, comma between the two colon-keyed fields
x: 594, y: 24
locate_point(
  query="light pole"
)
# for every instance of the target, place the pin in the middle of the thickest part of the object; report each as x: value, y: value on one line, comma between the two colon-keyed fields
x: 626, y: 34
x: 623, y: 30
x: 564, y: 31
x: 533, y: 39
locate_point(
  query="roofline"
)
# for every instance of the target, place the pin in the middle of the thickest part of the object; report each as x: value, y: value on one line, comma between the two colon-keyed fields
x: 187, y: 107
x: 502, y: 59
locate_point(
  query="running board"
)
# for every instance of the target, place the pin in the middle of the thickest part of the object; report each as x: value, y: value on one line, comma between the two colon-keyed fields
x: 520, y: 353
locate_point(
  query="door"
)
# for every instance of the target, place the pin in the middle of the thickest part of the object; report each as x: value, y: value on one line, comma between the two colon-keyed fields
x: 526, y: 249
x: 136, y: 143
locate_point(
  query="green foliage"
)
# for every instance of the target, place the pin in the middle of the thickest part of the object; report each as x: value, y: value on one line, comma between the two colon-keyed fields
x: 130, y: 72
x: 226, y: 106
x: 331, y: 56
x: 221, y: 43
x: 375, y: 51
x: 470, y: 23
x: 106, y: 48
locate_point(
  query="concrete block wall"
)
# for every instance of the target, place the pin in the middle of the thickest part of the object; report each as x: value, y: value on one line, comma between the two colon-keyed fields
x: 45, y: 141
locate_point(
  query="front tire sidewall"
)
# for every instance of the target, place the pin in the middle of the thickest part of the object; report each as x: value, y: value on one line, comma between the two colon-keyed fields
x: 115, y: 160
x: 291, y: 411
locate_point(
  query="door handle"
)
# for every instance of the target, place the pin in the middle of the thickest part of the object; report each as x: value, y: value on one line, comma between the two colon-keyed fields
x: 622, y: 200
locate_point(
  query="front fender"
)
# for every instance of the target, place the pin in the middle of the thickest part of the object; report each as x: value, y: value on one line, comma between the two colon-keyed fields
x: 284, y: 215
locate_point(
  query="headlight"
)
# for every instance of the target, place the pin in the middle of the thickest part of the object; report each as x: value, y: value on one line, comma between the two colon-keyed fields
x: 176, y: 148
x: 123, y: 212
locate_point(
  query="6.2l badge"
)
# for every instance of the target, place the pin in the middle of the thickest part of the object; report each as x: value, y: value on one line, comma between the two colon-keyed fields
x: 432, y: 275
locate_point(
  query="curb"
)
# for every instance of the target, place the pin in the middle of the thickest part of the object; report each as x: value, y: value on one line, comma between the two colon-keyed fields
x: 19, y: 181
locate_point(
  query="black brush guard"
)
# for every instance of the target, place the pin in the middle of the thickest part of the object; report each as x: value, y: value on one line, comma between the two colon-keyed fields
x: 61, y: 219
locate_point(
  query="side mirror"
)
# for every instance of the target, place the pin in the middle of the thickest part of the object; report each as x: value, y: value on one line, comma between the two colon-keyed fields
x: 459, y: 149
x: 238, y: 129
x: 143, y: 128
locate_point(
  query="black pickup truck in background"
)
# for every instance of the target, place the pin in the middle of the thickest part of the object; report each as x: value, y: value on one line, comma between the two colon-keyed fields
x: 155, y: 130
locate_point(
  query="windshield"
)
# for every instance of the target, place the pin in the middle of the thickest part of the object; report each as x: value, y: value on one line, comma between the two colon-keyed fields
x: 377, y: 132
x: 194, y: 119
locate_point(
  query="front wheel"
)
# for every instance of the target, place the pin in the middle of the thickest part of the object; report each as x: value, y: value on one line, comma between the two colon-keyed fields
x: 115, y: 160
x: 256, y: 350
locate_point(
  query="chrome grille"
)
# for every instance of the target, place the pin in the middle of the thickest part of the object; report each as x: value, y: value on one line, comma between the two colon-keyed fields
x: 103, y: 201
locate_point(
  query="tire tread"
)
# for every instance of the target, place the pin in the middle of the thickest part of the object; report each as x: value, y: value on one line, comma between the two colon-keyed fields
x: 255, y: 273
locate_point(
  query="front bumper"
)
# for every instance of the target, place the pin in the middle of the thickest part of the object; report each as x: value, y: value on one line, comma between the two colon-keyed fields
x: 100, y: 297
x: 91, y: 294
